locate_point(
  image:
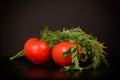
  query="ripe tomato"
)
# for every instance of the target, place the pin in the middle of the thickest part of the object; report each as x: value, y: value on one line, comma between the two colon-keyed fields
x: 58, y: 51
x: 37, y: 51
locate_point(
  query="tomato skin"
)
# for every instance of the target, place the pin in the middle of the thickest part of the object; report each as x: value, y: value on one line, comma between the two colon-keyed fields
x: 58, y: 51
x: 37, y: 51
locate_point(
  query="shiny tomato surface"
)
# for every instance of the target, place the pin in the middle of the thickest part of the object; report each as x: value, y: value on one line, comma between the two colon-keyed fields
x: 58, y: 51
x: 37, y: 51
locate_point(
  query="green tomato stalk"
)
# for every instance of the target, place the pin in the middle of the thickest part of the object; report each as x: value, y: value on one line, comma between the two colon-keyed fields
x: 19, y: 54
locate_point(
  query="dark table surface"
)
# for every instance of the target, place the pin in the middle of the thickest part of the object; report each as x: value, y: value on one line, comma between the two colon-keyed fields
x: 22, y: 68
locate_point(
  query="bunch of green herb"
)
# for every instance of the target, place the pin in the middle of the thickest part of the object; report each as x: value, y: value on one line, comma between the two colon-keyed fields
x: 91, y: 47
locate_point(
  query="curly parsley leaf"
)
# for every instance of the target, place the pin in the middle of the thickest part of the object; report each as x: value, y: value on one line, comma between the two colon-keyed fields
x: 91, y: 47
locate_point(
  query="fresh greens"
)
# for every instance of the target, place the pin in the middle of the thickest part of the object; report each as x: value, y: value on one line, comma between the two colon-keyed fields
x: 91, y: 48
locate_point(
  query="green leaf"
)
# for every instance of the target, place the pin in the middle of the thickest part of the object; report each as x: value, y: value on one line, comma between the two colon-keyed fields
x: 84, y: 50
x: 69, y: 52
x: 103, y: 60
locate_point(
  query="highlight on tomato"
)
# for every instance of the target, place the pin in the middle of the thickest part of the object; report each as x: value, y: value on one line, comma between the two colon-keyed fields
x: 37, y: 51
x: 59, y: 49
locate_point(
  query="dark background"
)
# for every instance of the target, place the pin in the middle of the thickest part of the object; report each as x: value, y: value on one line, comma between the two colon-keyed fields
x: 21, y: 20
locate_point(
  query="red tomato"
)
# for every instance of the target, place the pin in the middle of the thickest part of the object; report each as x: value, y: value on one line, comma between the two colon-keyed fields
x: 37, y: 51
x: 58, y: 51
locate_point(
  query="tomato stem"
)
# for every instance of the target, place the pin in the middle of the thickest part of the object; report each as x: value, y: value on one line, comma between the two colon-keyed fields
x: 19, y: 54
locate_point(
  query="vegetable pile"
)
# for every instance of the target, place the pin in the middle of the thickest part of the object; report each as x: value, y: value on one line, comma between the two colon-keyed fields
x: 72, y: 49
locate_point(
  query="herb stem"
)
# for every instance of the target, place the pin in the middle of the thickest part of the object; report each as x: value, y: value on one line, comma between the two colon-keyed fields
x: 19, y: 54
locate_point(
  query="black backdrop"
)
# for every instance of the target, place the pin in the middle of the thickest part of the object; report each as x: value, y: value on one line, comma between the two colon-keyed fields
x: 21, y: 20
